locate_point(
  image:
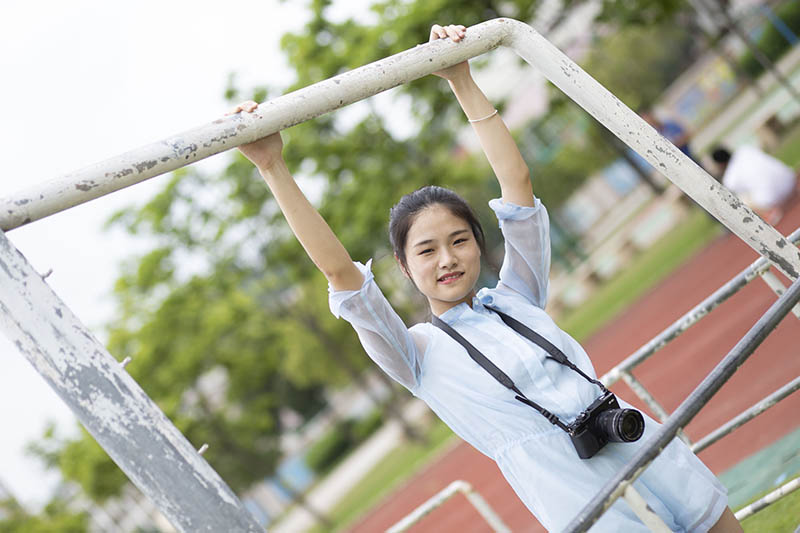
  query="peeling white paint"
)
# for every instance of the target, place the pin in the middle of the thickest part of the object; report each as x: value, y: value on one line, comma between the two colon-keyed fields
x: 111, y: 405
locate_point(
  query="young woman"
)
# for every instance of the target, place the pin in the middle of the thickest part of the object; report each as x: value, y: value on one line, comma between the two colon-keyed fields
x: 438, y: 243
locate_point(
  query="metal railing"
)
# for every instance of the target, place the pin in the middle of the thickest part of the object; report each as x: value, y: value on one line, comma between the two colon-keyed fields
x: 438, y: 499
x: 111, y: 405
x: 686, y: 411
x: 772, y: 497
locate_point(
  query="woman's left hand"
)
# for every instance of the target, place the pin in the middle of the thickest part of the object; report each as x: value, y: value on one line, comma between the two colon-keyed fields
x: 455, y: 33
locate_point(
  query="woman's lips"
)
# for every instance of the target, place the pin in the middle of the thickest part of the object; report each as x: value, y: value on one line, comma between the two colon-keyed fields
x: 450, y: 278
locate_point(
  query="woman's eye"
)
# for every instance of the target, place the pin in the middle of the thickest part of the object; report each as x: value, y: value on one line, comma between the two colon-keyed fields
x: 459, y: 241
x: 426, y: 251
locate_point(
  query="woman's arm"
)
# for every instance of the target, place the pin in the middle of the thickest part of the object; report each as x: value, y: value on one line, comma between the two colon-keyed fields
x: 314, y: 234
x: 510, y: 168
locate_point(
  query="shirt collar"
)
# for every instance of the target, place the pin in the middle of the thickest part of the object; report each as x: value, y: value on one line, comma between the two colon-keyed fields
x: 455, y: 312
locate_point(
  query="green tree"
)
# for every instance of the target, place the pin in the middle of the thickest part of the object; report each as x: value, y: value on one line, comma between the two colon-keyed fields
x: 54, y: 517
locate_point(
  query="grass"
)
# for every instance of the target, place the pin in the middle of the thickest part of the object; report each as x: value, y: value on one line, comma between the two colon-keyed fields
x: 398, y: 466
x: 788, y: 150
x: 643, y: 273
x: 782, y: 516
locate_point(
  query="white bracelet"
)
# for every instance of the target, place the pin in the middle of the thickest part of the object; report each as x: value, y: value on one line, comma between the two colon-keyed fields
x: 490, y: 115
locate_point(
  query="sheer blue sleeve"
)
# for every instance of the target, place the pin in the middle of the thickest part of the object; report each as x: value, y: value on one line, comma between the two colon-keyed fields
x: 526, y: 266
x: 381, y: 331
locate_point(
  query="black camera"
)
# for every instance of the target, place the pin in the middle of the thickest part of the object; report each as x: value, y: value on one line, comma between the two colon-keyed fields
x: 604, y: 421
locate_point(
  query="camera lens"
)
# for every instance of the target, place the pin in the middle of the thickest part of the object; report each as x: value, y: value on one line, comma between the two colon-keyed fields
x: 621, y: 425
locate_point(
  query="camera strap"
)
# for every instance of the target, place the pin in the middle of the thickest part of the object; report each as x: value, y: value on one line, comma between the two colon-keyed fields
x: 551, y: 351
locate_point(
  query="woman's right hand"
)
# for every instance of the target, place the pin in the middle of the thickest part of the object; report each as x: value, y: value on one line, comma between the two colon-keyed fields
x: 455, y: 32
x: 263, y: 153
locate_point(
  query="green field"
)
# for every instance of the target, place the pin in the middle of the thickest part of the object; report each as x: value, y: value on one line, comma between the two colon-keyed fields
x: 398, y: 466
x: 782, y: 516
x: 789, y: 149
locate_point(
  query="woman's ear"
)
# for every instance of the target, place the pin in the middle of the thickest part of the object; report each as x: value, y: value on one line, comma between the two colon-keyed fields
x: 402, y: 267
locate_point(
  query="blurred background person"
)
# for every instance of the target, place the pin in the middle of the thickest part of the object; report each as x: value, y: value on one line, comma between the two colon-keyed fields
x: 763, y: 182
x: 673, y: 131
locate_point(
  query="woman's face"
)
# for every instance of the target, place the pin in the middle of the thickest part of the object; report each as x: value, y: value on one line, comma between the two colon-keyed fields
x: 443, y: 258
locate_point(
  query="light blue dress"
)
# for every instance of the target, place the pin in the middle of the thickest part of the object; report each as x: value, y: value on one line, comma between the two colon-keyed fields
x: 537, y: 458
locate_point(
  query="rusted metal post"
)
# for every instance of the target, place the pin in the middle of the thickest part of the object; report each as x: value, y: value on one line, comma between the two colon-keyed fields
x: 111, y: 405
x: 314, y: 100
x: 686, y: 411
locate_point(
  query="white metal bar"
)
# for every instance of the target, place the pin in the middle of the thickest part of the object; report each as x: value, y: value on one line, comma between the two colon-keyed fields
x: 778, y: 287
x: 111, y: 405
x: 747, y: 415
x: 693, y: 316
x: 488, y: 514
x: 639, y: 389
x: 435, y: 501
x: 663, y: 155
x: 228, y: 132
x: 769, y: 499
x: 325, y: 96
x: 644, y: 512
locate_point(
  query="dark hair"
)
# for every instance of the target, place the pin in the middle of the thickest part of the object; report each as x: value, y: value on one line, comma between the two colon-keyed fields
x: 721, y: 155
x: 402, y: 215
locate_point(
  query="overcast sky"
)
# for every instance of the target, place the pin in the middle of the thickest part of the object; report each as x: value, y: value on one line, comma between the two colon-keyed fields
x: 85, y: 80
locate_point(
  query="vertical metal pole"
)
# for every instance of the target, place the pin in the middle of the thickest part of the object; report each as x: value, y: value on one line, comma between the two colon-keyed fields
x: 137, y: 435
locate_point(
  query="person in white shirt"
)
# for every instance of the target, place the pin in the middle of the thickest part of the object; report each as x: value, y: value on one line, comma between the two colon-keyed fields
x: 763, y: 182
x: 438, y: 242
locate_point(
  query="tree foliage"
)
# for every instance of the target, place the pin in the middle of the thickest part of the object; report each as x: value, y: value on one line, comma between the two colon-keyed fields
x: 55, y: 516
x: 641, y: 12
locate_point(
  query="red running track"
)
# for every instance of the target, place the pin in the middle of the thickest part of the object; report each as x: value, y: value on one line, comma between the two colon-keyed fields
x: 670, y: 375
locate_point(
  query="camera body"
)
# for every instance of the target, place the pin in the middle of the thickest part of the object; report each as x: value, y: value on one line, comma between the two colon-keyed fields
x: 604, y: 421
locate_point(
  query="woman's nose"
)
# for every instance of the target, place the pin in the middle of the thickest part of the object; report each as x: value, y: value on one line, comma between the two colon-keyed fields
x: 447, y: 259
